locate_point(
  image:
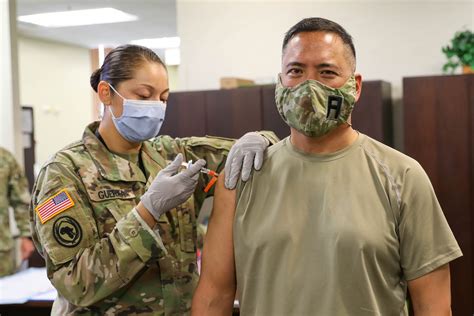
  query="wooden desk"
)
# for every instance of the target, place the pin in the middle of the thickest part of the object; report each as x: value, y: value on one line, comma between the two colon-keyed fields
x: 36, y: 308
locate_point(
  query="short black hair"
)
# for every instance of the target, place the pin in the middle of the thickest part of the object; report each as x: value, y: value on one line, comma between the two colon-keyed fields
x: 319, y: 25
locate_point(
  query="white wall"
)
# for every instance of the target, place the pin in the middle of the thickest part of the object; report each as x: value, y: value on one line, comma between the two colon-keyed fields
x: 173, y: 77
x: 393, y: 39
x: 10, y: 130
x: 54, y: 79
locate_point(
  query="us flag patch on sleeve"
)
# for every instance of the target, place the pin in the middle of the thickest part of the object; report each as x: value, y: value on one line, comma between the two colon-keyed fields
x: 56, y: 204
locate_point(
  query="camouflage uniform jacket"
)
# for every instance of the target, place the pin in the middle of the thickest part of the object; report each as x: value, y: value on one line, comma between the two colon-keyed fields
x: 100, y: 255
x: 13, y: 192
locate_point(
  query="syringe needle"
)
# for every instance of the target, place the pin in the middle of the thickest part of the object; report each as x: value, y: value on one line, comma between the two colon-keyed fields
x: 203, y: 170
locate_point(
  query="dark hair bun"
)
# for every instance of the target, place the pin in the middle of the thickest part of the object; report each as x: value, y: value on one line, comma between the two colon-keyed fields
x: 95, y: 79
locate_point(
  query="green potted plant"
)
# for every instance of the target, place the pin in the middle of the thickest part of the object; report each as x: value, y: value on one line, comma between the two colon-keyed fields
x: 460, y: 52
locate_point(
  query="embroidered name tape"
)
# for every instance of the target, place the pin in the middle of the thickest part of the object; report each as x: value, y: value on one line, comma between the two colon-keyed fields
x: 56, y: 204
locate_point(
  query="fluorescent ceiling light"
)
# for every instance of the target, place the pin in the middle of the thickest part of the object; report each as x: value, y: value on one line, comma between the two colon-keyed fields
x: 158, y: 43
x: 78, y: 17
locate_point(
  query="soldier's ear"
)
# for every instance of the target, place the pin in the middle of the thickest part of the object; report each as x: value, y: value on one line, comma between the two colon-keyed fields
x: 104, y: 93
x: 358, y: 78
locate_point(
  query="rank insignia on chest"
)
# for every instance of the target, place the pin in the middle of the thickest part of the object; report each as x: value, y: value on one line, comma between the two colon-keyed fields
x: 56, y: 204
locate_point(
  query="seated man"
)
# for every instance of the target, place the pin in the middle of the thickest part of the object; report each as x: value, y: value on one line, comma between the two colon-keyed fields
x: 335, y: 223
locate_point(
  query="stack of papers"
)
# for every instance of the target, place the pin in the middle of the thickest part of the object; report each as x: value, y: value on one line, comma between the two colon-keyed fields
x: 28, y: 285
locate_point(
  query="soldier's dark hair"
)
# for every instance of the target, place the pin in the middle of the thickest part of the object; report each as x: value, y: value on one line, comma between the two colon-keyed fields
x: 120, y: 64
x: 319, y: 25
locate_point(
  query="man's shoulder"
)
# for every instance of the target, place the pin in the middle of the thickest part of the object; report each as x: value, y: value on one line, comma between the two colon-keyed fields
x: 274, y: 149
x: 386, y: 155
x: 4, y: 151
x: 6, y: 156
x: 269, y: 159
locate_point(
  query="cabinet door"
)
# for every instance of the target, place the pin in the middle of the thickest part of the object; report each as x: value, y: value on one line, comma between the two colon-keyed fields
x: 185, y: 114
x: 232, y: 113
x: 438, y: 117
x: 372, y: 114
x: 28, y: 134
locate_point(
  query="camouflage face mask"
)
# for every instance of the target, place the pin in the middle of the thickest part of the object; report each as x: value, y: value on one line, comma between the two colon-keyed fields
x: 313, y: 108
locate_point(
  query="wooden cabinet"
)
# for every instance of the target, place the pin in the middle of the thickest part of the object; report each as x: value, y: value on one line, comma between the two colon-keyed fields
x: 232, y: 113
x: 185, y: 115
x: 439, y: 134
x: 372, y: 114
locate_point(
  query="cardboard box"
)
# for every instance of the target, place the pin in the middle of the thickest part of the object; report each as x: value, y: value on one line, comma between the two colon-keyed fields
x: 232, y: 82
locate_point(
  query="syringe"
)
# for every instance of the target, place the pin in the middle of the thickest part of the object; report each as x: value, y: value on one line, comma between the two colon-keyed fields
x: 210, y: 172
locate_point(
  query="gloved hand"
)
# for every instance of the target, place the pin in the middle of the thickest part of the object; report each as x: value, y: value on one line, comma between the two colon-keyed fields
x: 170, y: 189
x: 249, y: 150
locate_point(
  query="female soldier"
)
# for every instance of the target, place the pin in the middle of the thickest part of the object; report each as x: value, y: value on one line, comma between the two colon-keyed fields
x: 114, y: 224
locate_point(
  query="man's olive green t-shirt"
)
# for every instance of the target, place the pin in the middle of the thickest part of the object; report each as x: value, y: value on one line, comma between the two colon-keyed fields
x: 336, y: 234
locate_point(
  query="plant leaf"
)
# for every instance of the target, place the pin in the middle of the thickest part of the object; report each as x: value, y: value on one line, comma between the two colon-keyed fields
x: 462, y: 47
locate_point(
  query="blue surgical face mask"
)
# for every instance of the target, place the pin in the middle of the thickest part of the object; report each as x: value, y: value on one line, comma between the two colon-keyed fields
x: 140, y: 120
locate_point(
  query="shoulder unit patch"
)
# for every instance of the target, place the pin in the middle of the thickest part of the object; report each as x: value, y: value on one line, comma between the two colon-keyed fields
x: 67, y: 232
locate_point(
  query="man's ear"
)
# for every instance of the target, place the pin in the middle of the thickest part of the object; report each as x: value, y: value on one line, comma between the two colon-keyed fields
x: 104, y: 93
x: 358, y: 79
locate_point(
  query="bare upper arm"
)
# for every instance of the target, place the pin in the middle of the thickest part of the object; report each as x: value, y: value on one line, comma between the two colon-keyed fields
x: 431, y: 293
x: 217, y: 269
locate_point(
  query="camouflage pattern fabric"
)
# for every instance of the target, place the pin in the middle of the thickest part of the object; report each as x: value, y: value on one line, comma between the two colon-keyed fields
x: 100, y: 255
x: 13, y: 192
x: 8, y: 262
x: 313, y: 108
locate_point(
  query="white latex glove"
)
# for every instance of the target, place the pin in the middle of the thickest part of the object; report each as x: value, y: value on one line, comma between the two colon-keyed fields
x: 247, y: 151
x: 170, y: 189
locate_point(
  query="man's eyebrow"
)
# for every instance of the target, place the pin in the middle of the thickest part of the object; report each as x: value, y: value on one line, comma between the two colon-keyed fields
x: 326, y: 65
x: 295, y: 63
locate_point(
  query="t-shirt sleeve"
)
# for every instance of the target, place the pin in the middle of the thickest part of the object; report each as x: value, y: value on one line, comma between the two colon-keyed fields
x: 426, y: 240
